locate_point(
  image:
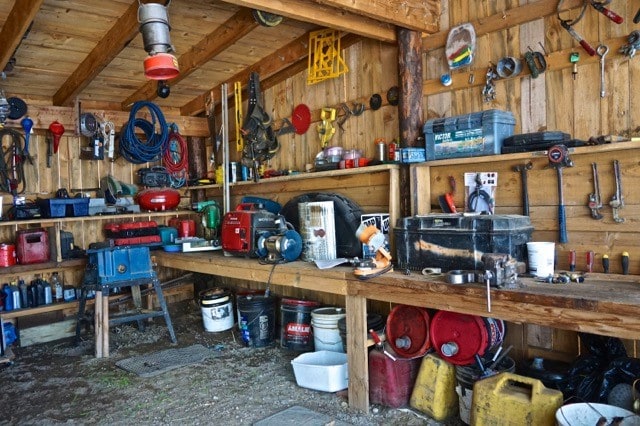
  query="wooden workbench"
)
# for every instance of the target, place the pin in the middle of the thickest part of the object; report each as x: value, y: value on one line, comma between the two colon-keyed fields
x: 603, y: 304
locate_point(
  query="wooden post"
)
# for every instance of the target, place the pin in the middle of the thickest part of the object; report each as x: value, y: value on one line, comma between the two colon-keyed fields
x: 105, y: 325
x: 357, y: 352
x: 197, y: 164
x: 97, y: 319
x: 410, y: 103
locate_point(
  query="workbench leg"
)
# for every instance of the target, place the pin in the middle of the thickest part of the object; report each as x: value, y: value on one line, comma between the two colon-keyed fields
x: 105, y: 326
x: 358, y: 359
x: 97, y: 320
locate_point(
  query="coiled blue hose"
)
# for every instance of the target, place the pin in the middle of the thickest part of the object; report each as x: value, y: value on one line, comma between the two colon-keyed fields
x: 138, y: 151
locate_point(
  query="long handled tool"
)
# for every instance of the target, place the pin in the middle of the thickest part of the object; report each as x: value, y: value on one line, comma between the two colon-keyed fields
x: 523, y: 169
x: 559, y: 158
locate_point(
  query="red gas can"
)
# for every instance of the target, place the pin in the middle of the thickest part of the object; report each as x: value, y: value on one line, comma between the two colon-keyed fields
x: 7, y: 255
x: 391, y: 381
x: 186, y: 227
x: 32, y: 246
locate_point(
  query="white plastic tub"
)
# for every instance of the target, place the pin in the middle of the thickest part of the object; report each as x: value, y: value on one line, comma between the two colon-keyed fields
x: 588, y: 413
x: 322, y: 370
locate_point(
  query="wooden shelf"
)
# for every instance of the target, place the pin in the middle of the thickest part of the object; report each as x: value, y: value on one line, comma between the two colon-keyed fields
x: 603, y: 304
x: 590, y: 149
x: 39, y: 268
x: 305, y: 176
x: 61, y: 306
x: 48, y: 222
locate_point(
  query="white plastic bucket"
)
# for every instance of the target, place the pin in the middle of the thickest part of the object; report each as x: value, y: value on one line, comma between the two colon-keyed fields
x: 216, y: 306
x: 541, y: 257
x: 326, y: 334
x: 589, y: 413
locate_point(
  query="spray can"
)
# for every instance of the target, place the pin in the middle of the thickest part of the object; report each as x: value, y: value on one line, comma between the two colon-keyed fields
x: 381, y: 149
x: 394, y: 153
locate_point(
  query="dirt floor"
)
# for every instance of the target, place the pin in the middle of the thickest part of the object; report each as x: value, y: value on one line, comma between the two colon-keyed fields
x: 59, y: 382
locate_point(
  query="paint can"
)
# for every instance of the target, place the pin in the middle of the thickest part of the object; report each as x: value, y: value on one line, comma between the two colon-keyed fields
x: 459, y: 337
x: 216, y: 306
x: 326, y: 335
x: 295, y: 318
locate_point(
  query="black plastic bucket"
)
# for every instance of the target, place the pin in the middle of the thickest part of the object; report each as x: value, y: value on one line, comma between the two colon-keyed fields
x: 374, y: 321
x: 295, y: 317
x: 257, y: 319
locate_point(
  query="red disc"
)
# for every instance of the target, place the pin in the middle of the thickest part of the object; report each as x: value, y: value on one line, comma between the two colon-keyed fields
x: 301, y: 119
x: 408, y: 331
x: 459, y: 337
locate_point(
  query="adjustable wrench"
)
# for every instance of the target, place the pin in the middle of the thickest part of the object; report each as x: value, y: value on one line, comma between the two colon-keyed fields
x: 595, y: 202
x: 525, y: 192
x: 617, y: 201
x: 559, y: 158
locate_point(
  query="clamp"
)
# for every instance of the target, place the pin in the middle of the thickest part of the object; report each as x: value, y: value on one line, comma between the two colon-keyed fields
x: 536, y: 62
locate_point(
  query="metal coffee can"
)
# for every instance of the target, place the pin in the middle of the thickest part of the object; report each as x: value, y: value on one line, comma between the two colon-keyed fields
x: 381, y: 150
x: 233, y: 172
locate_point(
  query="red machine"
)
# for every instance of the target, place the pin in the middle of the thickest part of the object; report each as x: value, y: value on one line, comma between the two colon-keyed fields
x: 242, y: 229
x: 158, y: 199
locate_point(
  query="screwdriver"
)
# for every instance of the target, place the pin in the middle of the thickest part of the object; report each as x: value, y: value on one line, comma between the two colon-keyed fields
x: 605, y: 263
x: 572, y: 260
x: 590, y: 256
x: 625, y: 263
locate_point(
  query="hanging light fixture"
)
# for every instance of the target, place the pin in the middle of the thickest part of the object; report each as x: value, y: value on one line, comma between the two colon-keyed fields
x: 154, y: 26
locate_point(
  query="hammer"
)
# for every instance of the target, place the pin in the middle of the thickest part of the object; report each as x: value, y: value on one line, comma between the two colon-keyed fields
x: 558, y: 158
x: 523, y: 168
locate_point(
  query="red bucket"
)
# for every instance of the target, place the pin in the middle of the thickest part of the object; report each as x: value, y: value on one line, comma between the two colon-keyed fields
x: 459, y: 337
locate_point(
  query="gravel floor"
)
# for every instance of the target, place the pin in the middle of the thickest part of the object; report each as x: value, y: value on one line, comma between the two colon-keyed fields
x: 59, y: 382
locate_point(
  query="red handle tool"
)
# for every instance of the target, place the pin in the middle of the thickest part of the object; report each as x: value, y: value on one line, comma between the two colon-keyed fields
x: 572, y: 260
x: 607, y: 12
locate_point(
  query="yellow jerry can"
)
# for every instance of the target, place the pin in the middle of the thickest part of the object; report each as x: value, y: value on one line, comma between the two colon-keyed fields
x: 434, y: 392
x: 511, y: 399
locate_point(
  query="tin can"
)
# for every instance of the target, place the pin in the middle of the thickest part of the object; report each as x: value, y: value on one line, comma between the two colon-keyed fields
x: 381, y: 150
x: 245, y: 173
x: 394, y: 154
x: 233, y: 172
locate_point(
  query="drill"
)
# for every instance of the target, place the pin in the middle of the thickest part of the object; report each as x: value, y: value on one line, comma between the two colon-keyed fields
x: 210, y: 217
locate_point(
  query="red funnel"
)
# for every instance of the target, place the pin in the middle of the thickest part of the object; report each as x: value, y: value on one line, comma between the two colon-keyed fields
x: 57, y: 131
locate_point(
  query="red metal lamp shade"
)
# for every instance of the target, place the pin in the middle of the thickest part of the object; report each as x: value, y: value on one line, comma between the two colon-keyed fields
x: 161, y: 66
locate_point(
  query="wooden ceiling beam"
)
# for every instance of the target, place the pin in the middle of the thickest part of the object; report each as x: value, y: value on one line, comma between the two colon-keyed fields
x: 503, y: 20
x: 116, y: 39
x: 281, y: 58
x: 273, y: 69
x: 417, y: 15
x: 309, y: 11
x: 14, y: 28
x: 232, y: 30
